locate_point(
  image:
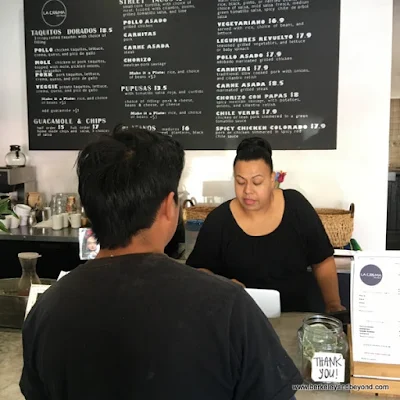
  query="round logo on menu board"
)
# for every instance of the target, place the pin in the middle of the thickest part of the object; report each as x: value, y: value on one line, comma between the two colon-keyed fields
x: 371, y: 275
x: 54, y: 13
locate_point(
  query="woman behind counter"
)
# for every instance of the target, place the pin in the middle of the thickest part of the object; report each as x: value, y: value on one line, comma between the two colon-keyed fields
x: 266, y: 237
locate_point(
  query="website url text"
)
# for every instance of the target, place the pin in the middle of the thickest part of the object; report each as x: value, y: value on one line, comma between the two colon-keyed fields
x: 338, y: 387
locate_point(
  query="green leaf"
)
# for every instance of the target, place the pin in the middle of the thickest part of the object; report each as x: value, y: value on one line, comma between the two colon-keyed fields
x: 10, y: 212
x: 4, y: 210
x: 4, y: 204
x: 3, y: 228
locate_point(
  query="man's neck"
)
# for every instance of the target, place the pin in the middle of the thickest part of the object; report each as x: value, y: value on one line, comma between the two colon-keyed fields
x: 138, y: 245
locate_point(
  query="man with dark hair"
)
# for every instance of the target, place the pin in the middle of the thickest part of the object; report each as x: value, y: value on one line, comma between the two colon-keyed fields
x: 133, y: 323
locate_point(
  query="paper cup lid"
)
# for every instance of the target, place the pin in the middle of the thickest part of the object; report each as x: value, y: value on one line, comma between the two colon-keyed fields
x: 28, y: 256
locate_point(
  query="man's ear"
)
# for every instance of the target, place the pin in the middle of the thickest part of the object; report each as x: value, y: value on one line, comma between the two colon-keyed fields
x: 169, y: 207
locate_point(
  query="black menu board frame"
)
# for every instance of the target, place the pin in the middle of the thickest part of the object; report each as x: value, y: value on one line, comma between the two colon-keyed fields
x: 208, y: 73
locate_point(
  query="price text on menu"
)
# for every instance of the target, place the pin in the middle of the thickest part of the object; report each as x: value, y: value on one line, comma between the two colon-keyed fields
x: 208, y: 73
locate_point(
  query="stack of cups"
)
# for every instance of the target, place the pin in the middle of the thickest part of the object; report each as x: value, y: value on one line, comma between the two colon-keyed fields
x: 23, y: 212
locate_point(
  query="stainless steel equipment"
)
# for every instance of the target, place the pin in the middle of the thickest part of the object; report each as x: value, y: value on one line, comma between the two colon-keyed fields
x: 21, y: 180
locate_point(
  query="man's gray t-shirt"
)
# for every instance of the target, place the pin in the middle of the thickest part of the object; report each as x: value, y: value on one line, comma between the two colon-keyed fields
x: 143, y: 326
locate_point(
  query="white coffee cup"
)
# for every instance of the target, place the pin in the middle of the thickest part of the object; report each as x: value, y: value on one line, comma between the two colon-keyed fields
x: 75, y: 220
x: 23, y: 220
x: 14, y: 221
x: 22, y: 210
x: 57, y: 222
x: 65, y: 220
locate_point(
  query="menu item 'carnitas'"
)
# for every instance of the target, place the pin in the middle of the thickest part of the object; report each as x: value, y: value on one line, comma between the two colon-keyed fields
x: 206, y: 72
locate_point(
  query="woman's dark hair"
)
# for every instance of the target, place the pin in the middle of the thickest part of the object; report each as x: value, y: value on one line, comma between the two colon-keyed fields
x: 254, y: 148
x: 123, y: 179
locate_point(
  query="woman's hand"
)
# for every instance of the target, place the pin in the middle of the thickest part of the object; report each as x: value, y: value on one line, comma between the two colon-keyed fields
x: 327, y: 279
x: 237, y: 282
x: 334, y: 307
x: 207, y: 271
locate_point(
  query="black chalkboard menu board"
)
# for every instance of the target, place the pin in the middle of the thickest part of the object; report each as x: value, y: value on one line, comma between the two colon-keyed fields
x: 207, y: 72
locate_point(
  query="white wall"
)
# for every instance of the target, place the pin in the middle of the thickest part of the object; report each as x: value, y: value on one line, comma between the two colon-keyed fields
x: 355, y: 172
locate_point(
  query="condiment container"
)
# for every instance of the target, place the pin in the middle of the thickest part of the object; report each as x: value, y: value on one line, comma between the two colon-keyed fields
x: 32, y: 218
x: 84, y: 218
x: 71, y: 205
x: 29, y: 276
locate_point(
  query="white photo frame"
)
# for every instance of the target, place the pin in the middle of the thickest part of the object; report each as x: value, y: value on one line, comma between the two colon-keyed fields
x: 88, y: 245
x: 34, y: 294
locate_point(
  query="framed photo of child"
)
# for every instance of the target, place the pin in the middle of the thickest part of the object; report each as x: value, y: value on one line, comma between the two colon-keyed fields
x: 88, y: 245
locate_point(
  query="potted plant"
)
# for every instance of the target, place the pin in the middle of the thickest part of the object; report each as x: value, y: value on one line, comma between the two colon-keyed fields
x: 5, y: 210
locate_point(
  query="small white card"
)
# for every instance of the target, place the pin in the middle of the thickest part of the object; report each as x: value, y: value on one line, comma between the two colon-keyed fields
x: 62, y: 273
x: 328, y: 367
x: 34, y: 294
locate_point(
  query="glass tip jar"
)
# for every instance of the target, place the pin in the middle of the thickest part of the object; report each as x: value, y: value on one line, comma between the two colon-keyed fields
x: 321, y: 334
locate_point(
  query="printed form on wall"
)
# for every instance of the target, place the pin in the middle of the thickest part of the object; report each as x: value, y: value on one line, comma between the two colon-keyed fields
x: 209, y: 73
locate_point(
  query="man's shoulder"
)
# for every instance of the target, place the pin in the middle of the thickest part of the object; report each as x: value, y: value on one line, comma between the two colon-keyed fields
x: 152, y: 268
x: 199, y: 288
x: 215, y: 283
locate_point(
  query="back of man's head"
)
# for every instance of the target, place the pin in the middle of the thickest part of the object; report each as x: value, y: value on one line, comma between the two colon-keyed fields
x: 124, y: 179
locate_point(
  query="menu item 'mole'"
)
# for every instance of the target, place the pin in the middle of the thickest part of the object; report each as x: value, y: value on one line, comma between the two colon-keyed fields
x: 207, y: 72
